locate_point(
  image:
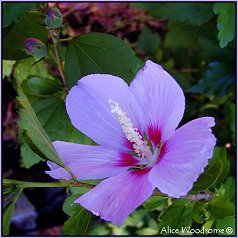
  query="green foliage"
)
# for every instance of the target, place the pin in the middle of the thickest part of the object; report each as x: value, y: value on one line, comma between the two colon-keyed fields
x: 48, y: 102
x: 178, y: 215
x: 185, y: 44
x: 79, y: 219
x: 217, y: 80
x: 215, y: 172
x: 34, y: 131
x: 193, y: 13
x: 225, y: 22
x: 99, y: 53
x: 7, y: 66
x: 220, y: 207
x: 149, y: 41
x: 29, y: 157
x: 200, y: 213
x: 230, y: 189
x: 220, y: 155
x: 230, y: 111
x: 13, y: 40
x: 179, y: 35
x: 9, y: 191
x: 154, y: 202
x: 13, y: 12
x: 25, y: 69
x: 7, y: 215
x: 47, y: 98
x: 225, y: 223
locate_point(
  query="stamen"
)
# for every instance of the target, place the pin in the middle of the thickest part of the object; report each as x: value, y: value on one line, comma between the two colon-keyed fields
x: 140, y: 146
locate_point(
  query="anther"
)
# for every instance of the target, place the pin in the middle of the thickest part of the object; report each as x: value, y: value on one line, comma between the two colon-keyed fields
x: 140, y: 147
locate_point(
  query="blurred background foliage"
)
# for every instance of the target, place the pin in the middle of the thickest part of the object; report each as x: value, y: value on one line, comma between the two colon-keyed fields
x: 194, y: 42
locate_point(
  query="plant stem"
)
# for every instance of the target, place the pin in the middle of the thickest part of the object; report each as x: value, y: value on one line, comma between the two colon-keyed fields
x: 56, y: 50
x: 26, y: 184
x: 83, y: 185
x: 195, y: 197
x: 66, y: 39
x: 71, y: 173
x: 71, y: 183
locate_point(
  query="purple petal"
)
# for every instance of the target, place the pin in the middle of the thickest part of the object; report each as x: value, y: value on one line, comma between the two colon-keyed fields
x: 186, y: 155
x: 89, y: 162
x: 161, y: 100
x: 90, y: 112
x: 115, y: 198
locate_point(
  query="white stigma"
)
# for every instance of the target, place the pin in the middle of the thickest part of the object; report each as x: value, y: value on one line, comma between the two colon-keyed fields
x: 140, y: 147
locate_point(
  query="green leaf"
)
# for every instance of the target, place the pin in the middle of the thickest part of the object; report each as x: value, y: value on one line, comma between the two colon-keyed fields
x: 150, y: 7
x: 79, y: 219
x: 24, y: 69
x: 99, y: 230
x: 215, y: 172
x: 48, y: 102
x: 149, y: 41
x: 200, y: 214
x: 230, y: 189
x: 225, y: 223
x: 211, y: 50
x: 34, y: 130
x: 209, y: 177
x: 225, y: 22
x: 69, y: 207
x: 220, y: 155
x: 179, y: 35
x: 29, y: 157
x: 176, y: 216
x: 154, y: 202
x: 38, y: 86
x: 28, y: 27
x: 52, y: 114
x: 13, y: 12
x: 7, y: 67
x: 218, y: 80
x: 230, y: 112
x: 193, y: 13
x: 7, y: 214
x: 99, y: 53
x: 220, y: 207
x: 147, y: 231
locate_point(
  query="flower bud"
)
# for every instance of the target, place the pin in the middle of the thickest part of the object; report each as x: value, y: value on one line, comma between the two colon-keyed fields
x: 35, y: 47
x: 53, y: 18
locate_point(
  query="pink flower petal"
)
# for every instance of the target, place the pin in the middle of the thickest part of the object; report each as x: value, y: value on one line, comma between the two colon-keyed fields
x: 161, y: 100
x: 89, y: 162
x: 90, y: 112
x: 186, y: 155
x: 115, y: 198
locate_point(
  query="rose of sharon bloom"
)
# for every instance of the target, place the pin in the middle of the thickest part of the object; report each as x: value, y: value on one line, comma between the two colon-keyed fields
x: 139, y: 148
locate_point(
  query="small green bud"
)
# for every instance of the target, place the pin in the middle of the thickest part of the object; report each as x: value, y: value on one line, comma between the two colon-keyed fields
x: 35, y: 47
x: 53, y: 18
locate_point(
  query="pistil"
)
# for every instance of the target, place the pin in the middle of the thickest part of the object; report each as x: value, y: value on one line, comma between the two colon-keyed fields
x: 132, y: 134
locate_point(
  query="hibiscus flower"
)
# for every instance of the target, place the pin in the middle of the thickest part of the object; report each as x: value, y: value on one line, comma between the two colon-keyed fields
x: 139, y: 148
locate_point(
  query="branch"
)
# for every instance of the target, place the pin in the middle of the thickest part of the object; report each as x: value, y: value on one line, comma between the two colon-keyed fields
x: 26, y: 184
x: 195, y: 197
x: 71, y: 183
x: 66, y: 39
